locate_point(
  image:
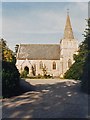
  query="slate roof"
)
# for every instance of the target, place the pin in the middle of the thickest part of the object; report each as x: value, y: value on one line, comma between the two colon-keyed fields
x: 39, y: 51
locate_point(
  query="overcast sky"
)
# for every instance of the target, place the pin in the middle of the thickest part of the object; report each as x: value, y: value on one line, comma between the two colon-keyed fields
x: 41, y: 22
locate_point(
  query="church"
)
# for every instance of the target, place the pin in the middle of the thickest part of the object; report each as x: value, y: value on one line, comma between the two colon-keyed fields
x: 56, y: 59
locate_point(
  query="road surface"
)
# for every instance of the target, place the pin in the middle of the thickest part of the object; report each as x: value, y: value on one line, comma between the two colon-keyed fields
x: 50, y: 98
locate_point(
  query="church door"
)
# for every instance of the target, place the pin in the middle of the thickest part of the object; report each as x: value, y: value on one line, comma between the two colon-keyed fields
x: 26, y: 69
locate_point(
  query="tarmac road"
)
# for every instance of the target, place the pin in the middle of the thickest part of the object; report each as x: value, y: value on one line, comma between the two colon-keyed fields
x: 50, y: 98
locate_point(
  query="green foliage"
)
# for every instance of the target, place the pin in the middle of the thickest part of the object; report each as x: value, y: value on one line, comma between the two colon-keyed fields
x: 24, y: 74
x: 80, y: 69
x: 7, y: 54
x: 39, y: 76
x: 3, y: 43
x: 76, y: 70
x: 10, y: 74
x: 86, y: 70
x: 85, y: 77
x: 10, y: 79
x: 44, y: 69
x: 45, y: 75
x: 16, y: 48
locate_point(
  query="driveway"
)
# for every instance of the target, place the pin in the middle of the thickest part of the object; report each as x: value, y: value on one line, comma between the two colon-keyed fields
x: 50, y: 98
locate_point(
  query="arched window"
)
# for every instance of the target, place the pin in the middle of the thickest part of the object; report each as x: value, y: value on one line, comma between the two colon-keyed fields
x: 54, y: 65
x: 34, y: 69
x: 69, y: 63
x: 41, y: 65
x: 26, y: 69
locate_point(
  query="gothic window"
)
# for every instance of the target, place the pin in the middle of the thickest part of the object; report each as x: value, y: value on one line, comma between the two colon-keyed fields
x: 41, y: 65
x: 34, y: 69
x: 54, y: 65
x: 34, y: 66
x: 69, y: 63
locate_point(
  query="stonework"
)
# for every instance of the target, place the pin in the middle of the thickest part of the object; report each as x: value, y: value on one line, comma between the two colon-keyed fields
x: 56, y: 58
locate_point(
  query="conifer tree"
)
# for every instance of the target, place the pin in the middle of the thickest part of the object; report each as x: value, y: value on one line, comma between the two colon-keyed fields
x: 9, y: 72
x: 76, y: 71
x: 86, y: 70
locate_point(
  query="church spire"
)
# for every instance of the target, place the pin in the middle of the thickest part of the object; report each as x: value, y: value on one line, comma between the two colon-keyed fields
x: 68, y: 33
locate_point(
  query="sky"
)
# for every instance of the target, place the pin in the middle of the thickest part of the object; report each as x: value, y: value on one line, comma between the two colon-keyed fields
x: 41, y: 22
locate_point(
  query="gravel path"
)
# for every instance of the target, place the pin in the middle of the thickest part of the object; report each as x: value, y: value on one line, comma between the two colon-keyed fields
x: 49, y: 99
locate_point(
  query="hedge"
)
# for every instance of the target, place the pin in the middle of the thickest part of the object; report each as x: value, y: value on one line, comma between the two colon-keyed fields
x: 10, y: 79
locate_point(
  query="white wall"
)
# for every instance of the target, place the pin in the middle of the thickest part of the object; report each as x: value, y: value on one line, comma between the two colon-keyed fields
x: 48, y: 63
x: 68, y: 49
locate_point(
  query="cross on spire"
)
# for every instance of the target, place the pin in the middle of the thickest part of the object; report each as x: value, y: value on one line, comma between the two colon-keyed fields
x: 68, y: 11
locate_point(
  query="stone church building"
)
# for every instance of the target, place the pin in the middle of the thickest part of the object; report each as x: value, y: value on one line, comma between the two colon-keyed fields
x: 55, y: 58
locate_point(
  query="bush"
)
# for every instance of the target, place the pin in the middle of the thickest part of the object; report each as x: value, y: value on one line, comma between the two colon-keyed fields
x: 85, y: 84
x: 10, y: 79
x: 24, y: 74
x: 39, y: 76
x: 46, y: 76
x: 75, y: 71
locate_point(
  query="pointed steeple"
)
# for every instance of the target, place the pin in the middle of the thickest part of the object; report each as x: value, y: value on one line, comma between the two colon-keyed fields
x: 68, y: 33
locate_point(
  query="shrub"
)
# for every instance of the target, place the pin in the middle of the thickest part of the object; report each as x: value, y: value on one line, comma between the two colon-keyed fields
x: 86, y: 71
x: 24, y: 74
x: 47, y: 76
x: 10, y: 79
x: 75, y: 71
x: 39, y: 76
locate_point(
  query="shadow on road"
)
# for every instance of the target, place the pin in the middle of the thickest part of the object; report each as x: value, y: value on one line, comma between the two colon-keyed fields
x: 60, y: 100
x: 25, y: 86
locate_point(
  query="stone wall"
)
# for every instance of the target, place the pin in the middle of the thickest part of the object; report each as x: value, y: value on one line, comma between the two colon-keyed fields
x: 68, y: 49
x: 21, y: 64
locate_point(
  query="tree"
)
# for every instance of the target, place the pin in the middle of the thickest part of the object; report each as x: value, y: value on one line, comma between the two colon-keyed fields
x: 3, y: 43
x: 80, y: 69
x: 44, y: 69
x: 86, y: 70
x: 10, y: 79
x: 76, y: 70
x: 16, y: 48
x: 7, y: 54
x: 10, y: 74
